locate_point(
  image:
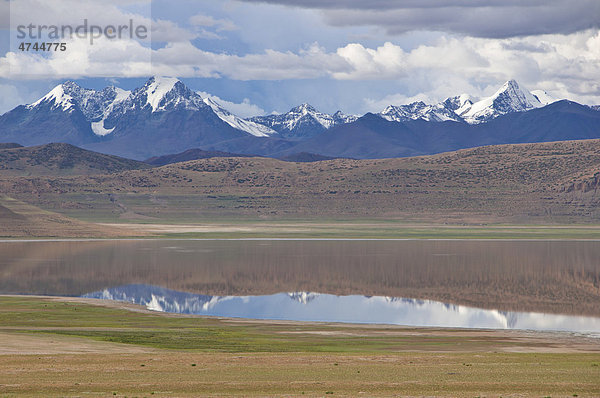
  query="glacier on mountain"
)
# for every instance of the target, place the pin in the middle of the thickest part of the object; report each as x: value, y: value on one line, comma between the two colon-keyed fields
x: 156, y: 89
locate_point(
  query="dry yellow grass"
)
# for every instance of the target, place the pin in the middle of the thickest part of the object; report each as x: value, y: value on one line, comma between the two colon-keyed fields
x: 294, y: 359
x: 170, y: 374
x: 19, y: 219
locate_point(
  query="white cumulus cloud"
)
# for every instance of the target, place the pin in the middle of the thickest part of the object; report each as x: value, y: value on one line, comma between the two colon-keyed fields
x: 566, y: 66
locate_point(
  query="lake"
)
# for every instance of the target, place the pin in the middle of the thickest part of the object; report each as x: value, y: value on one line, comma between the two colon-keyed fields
x: 380, y: 277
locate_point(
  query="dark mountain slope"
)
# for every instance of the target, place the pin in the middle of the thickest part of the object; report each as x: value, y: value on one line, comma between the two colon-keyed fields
x: 9, y: 145
x: 44, y: 124
x: 190, y: 154
x: 142, y: 134
x: 374, y: 137
x: 560, y: 121
x: 305, y: 157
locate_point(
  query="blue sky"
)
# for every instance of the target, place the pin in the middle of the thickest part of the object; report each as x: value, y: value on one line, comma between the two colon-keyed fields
x: 357, y: 56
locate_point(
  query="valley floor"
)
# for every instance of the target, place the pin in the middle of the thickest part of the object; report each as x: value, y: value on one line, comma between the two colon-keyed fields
x: 345, y: 229
x: 67, y: 346
x: 23, y: 220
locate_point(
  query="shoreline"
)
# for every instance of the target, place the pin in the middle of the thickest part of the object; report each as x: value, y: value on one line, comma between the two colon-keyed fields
x: 335, y: 230
x: 138, y: 239
x: 460, y: 330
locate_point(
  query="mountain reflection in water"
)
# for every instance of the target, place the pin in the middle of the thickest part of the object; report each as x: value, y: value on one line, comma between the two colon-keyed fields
x: 306, y: 306
x: 561, y: 277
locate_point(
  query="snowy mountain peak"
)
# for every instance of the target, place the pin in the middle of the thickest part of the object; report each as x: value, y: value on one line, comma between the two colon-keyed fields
x: 419, y: 111
x: 301, y: 121
x: 93, y: 104
x: 307, y: 110
x: 102, y: 105
x: 120, y: 94
x: 511, y: 97
x: 58, y: 97
x: 165, y: 93
x: 464, y: 98
x: 157, y: 88
x: 509, y: 84
x: 70, y: 85
x: 304, y: 109
x: 518, y: 96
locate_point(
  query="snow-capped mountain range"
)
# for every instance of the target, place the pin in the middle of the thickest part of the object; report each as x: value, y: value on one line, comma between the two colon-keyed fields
x: 509, y: 98
x: 419, y: 111
x: 303, y: 121
x: 164, y: 117
x: 103, y: 108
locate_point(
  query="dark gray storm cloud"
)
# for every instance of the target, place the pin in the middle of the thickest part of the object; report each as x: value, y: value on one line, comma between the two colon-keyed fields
x: 479, y: 18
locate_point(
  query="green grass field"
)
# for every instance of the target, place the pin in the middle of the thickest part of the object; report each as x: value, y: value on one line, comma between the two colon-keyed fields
x: 196, y: 356
x: 204, y: 333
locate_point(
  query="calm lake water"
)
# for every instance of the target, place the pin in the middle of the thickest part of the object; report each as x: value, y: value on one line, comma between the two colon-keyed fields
x: 508, y: 277
x: 308, y: 306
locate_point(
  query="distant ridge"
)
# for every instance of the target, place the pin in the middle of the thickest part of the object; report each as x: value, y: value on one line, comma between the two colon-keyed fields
x: 190, y: 154
x: 305, y: 157
x: 60, y: 159
x: 9, y: 145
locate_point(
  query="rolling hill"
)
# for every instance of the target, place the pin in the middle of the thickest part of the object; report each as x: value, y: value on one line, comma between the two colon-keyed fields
x: 60, y: 159
x: 20, y: 219
x: 527, y: 183
x: 190, y: 154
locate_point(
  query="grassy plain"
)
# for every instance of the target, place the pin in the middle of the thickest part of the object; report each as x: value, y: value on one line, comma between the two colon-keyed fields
x: 166, y: 355
x: 22, y: 220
